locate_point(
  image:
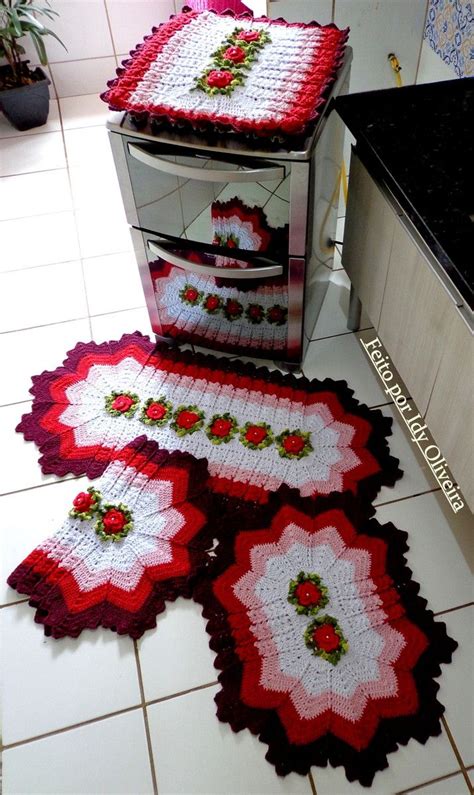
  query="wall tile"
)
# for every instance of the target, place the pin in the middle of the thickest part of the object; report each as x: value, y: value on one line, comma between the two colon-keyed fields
x: 378, y: 28
x: 131, y: 21
x: 301, y: 10
x: 73, y: 78
x: 83, y: 27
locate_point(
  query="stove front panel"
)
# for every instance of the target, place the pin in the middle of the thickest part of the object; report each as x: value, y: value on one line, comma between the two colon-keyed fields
x: 244, y: 308
x: 239, y: 203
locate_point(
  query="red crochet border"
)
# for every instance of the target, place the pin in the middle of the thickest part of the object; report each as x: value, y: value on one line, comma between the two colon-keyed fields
x: 306, y: 107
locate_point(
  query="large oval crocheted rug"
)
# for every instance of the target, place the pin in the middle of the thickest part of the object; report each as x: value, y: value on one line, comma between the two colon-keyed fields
x: 249, y: 491
x: 258, y: 429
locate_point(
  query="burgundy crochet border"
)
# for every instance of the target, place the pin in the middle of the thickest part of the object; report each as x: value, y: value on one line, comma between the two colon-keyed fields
x: 306, y: 109
x: 51, y: 462
x: 391, y: 732
x: 51, y: 609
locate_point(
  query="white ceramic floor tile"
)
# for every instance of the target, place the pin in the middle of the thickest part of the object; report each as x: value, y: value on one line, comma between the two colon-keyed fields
x: 84, y: 111
x: 109, y: 757
x: 49, y: 684
x: 441, y: 551
x: 40, y: 296
x: 211, y: 757
x: 34, y: 194
x: 417, y: 476
x: 27, y: 353
x: 38, y: 240
x: 113, y: 283
x: 54, y: 123
x: 19, y: 459
x: 455, y: 785
x: 111, y: 327
x: 27, y: 519
x: 88, y: 147
x: 73, y: 78
x: 104, y: 232
x: 408, y: 767
x: 176, y: 656
x: 96, y: 187
x: 23, y: 154
x: 456, y: 692
x: 342, y: 358
x: 332, y: 319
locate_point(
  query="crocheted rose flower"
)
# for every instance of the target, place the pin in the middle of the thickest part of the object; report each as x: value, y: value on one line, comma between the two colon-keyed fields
x: 235, y: 54
x: 325, y: 638
x: 307, y: 593
x: 219, y: 78
x: 187, y: 419
x: 83, y: 501
x: 294, y: 444
x: 212, y: 303
x: 85, y: 504
x: 254, y: 313
x: 256, y: 435
x: 248, y: 36
x: 117, y: 569
x: 122, y: 404
x: 190, y: 294
x: 156, y: 411
x: 233, y: 309
x: 277, y: 314
x: 221, y: 428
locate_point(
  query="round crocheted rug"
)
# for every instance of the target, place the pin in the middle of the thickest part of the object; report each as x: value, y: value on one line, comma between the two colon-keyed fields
x: 134, y: 539
x: 326, y: 651
x: 258, y: 429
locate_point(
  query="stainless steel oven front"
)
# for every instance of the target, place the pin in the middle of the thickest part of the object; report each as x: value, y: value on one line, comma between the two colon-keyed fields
x: 228, y: 237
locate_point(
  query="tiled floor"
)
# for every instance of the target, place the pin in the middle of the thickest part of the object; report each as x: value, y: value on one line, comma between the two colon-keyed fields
x: 103, y: 715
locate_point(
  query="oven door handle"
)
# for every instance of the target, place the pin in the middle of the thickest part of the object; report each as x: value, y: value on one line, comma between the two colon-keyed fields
x: 265, y: 272
x: 206, y: 174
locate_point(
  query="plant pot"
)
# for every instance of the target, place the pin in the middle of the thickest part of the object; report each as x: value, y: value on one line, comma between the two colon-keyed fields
x: 27, y: 106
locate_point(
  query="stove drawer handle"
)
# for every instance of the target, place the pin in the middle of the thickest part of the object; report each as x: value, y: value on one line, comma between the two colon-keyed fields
x: 206, y: 174
x: 265, y: 272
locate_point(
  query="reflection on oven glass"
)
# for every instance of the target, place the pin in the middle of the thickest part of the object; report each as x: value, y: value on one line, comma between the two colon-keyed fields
x: 206, y: 310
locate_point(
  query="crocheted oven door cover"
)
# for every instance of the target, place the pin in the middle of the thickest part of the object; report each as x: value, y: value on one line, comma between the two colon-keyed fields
x: 258, y: 76
x: 257, y: 429
x: 326, y: 651
x: 134, y: 539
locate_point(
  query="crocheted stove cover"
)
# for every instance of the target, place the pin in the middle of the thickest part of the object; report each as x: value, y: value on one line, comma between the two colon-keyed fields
x: 259, y: 76
x: 132, y: 540
x: 258, y: 429
x: 326, y: 651
x: 199, y: 309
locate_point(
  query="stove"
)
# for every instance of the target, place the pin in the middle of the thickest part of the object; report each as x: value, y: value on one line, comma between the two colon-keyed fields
x: 233, y: 236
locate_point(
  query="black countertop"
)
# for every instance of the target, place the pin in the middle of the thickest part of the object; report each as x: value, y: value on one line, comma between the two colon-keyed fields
x: 419, y: 140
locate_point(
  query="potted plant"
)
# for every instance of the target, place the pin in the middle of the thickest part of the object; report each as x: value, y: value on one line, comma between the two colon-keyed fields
x: 24, y: 92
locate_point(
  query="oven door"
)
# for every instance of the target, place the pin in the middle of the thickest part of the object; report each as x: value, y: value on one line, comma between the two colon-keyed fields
x: 198, y: 296
x: 239, y: 203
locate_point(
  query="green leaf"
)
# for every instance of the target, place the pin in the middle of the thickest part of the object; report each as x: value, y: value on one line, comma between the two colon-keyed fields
x: 48, y: 32
x: 15, y: 23
x: 39, y: 46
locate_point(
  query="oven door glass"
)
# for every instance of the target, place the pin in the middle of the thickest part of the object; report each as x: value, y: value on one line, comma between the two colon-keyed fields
x: 237, y: 204
x: 213, y: 301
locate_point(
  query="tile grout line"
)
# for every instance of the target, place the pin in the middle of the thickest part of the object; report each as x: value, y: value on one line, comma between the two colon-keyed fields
x: 64, y: 479
x: 426, y: 783
x: 63, y: 729
x: 145, y: 719
x: 408, y: 497
x: 454, y: 609
x: 340, y: 334
x: 456, y: 751
x: 154, y: 701
x: 312, y: 783
x: 71, y: 320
